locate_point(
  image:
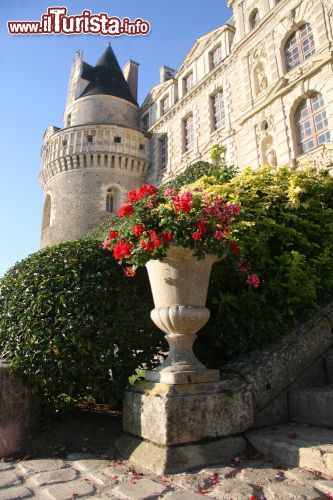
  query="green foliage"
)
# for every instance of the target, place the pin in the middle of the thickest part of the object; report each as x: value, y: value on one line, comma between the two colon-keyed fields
x: 219, y: 171
x: 285, y: 232
x: 73, y: 325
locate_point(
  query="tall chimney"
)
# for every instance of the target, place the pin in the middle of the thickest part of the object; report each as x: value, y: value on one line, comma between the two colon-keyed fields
x: 166, y: 73
x: 130, y: 72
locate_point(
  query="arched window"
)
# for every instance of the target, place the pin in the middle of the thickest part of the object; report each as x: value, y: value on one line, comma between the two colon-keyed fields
x: 254, y: 18
x: 300, y: 46
x: 110, y: 202
x: 69, y: 120
x: 311, y: 123
x: 47, y: 212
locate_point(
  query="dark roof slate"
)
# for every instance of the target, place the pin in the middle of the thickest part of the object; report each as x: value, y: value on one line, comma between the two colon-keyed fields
x: 106, y: 78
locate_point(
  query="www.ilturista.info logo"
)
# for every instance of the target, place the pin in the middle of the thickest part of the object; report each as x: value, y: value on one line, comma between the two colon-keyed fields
x: 57, y: 22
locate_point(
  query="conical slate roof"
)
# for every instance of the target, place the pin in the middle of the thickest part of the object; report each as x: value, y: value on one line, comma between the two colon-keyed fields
x: 106, y: 78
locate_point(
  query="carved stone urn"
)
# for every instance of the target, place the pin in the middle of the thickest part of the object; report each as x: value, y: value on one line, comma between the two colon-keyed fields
x: 179, y: 285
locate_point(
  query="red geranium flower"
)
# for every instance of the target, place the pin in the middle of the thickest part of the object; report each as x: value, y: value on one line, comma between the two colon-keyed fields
x: 146, y: 190
x: 183, y: 203
x: 122, y: 249
x: 167, y: 236
x: 113, y: 235
x: 147, y: 245
x: 132, y: 196
x: 253, y: 280
x: 125, y: 210
x: 129, y: 272
x: 235, y: 248
x: 138, y: 229
x: 155, y: 239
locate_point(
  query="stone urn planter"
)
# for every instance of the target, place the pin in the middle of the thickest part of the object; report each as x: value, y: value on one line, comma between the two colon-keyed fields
x: 179, y: 286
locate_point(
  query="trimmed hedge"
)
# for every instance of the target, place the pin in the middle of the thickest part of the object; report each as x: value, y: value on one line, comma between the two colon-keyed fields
x: 285, y: 233
x: 74, y: 325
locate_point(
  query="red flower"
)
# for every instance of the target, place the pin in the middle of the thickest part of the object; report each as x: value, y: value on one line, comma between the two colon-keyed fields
x: 150, y: 204
x: 138, y: 229
x: 197, y: 235
x: 146, y: 190
x: 125, y: 210
x: 132, y: 196
x: 233, y: 209
x: 129, y: 272
x: 155, y: 239
x: 122, y: 249
x: 167, y: 236
x: 113, y: 235
x: 235, y: 248
x: 183, y: 203
x: 254, y: 281
x: 219, y: 235
x: 147, y: 245
x: 170, y: 193
x: 202, y: 226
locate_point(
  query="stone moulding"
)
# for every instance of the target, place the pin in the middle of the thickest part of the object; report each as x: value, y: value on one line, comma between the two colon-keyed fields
x: 172, y: 428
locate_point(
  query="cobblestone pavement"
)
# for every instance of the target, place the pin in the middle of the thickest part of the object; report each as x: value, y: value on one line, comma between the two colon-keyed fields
x: 83, y: 475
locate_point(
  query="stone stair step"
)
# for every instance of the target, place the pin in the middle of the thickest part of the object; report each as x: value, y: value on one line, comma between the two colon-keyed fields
x: 329, y: 366
x: 313, y: 405
x: 295, y: 445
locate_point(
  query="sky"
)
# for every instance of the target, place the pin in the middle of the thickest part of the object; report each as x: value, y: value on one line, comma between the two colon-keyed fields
x: 34, y: 73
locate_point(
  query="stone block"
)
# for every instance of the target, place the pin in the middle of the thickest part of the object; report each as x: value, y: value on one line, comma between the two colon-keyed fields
x: 178, y: 414
x: 19, y: 412
x: 312, y: 405
x: 40, y: 465
x: 271, y: 371
x: 314, y: 376
x: 54, y: 476
x: 278, y: 491
x: 296, y: 446
x: 144, y: 489
x: 174, y: 459
x: 15, y: 493
x: 70, y: 490
x: 275, y: 412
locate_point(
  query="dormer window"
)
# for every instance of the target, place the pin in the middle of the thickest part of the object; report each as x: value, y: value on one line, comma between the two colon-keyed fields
x: 216, y: 56
x: 188, y: 83
x: 64, y: 142
x: 141, y: 147
x: 68, y: 120
x: 89, y: 138
x: 254, y: 18
x: 117, y: 139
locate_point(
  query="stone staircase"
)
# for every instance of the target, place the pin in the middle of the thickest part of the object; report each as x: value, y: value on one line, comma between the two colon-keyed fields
x: 307, y: 440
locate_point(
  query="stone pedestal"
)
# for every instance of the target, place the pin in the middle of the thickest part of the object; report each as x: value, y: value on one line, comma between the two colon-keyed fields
x: 172, y: 428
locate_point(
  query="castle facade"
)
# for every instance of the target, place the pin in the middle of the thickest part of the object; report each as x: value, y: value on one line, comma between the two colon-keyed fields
x: 261, y: 86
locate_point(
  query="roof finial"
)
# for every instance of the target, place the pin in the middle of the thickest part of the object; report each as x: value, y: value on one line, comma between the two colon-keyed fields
x: 109, y: 44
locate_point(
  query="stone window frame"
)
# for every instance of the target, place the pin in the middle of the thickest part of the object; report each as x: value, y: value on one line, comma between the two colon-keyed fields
x: 163, y: 152
x: 69, y: 120
x: 164, y: 104
x: 215, y: 124
x: 299, y: 46
x: 213, y: 62
x: 254, y: 18
x: 188, y: 82
x: 311, y: 123
x: 48, y: 212
x: 187, y: 133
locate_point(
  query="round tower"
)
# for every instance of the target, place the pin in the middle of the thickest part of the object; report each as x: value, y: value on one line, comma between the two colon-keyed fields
x: 99, y: 155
